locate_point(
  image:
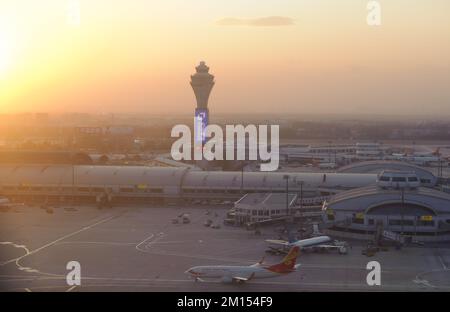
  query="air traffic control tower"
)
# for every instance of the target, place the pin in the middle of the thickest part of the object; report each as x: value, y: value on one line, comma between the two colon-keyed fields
x: 202, y: 82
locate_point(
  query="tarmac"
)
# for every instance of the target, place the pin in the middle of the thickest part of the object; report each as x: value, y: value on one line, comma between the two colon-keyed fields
x: 141, y: 249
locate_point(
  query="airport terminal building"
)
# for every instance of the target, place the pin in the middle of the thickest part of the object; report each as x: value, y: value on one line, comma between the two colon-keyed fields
x: 399, y: 196
x: 397, y: 202
x: 84, y: 183
x: 142, y: 184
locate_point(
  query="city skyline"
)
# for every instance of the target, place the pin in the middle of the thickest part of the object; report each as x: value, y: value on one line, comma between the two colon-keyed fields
x: 305, y: 57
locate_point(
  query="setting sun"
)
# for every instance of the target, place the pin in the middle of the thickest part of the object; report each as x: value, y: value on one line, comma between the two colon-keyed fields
x: 121, y: 57
x: 6, y: 55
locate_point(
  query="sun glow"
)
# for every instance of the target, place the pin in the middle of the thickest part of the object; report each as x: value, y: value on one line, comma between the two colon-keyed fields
x: 6, y: 52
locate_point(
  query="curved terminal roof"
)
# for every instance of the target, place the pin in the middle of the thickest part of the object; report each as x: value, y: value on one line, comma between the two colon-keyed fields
x: 36, y: 174
x: 128, y: 175
x: 230, y: 179
x: 175, y: 177
x: 91, y: 175
x: 366, y: 198
x: 379, y: 165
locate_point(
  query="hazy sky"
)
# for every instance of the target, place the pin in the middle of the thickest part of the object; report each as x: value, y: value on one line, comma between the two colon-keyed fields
x: 303, y: 56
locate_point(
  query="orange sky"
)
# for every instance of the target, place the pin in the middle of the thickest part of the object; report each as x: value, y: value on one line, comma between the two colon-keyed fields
x: 128, y: 56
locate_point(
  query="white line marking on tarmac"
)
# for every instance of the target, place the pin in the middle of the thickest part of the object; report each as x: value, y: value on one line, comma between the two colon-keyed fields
x: 442, y: 263
x: 71, y: 288
x: 421, y: 281
x: 169, y: 242
x: 99, y: 243
x: 18, y: 277
x: 15, y: 246
x: 198, y: 256
x: 27, y: 290
x: 138, y: 246
x: 146, y: 244
x: 29, y: 253
x: 67, y: 236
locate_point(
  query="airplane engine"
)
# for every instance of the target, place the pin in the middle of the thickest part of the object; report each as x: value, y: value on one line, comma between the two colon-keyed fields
x: 227, y: 280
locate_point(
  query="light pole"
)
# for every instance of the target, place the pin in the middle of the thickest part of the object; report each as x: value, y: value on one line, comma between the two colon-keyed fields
x: 329, y: 151
x: 242, y: 180
x: 301, y: 194
x: 301, y: 208
x: 286, y: 177
x: 73, y: 181
x: 401, y: 210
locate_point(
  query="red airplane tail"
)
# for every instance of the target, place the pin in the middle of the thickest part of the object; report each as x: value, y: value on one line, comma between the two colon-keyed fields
x: 288, y: 263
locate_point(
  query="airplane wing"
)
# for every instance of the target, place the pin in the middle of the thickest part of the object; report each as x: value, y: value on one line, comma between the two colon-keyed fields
x: 341, y: 249
x: 278, y: 242
x: 243, y: 279
x: 330, y: 246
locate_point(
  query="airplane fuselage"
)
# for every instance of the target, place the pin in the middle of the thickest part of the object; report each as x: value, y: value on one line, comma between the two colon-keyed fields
x: 229, y: 273
x: 311, y: 241
x: 221, y: 271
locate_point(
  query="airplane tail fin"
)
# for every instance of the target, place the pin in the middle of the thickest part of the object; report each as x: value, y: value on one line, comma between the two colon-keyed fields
x: 288, y: 263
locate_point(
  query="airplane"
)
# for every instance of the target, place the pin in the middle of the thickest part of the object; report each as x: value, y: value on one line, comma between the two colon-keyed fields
x: 425, y: 160
x: 319, y: 243
x: 242, y: 274
x: 436, y: 152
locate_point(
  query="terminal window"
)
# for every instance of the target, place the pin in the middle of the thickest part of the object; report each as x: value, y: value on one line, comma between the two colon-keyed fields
x: 401, y: 222
x: 425, y: 223
x: 357, y: 220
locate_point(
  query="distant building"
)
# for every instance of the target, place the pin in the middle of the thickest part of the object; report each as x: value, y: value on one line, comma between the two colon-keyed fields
x: 116, y: 130
x: 368, y: 149
x: 38, y: 157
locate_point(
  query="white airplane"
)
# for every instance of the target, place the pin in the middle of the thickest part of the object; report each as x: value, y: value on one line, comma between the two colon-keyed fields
x: 436, y: 152
x: 319, y: 243
x: 241, y: 274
